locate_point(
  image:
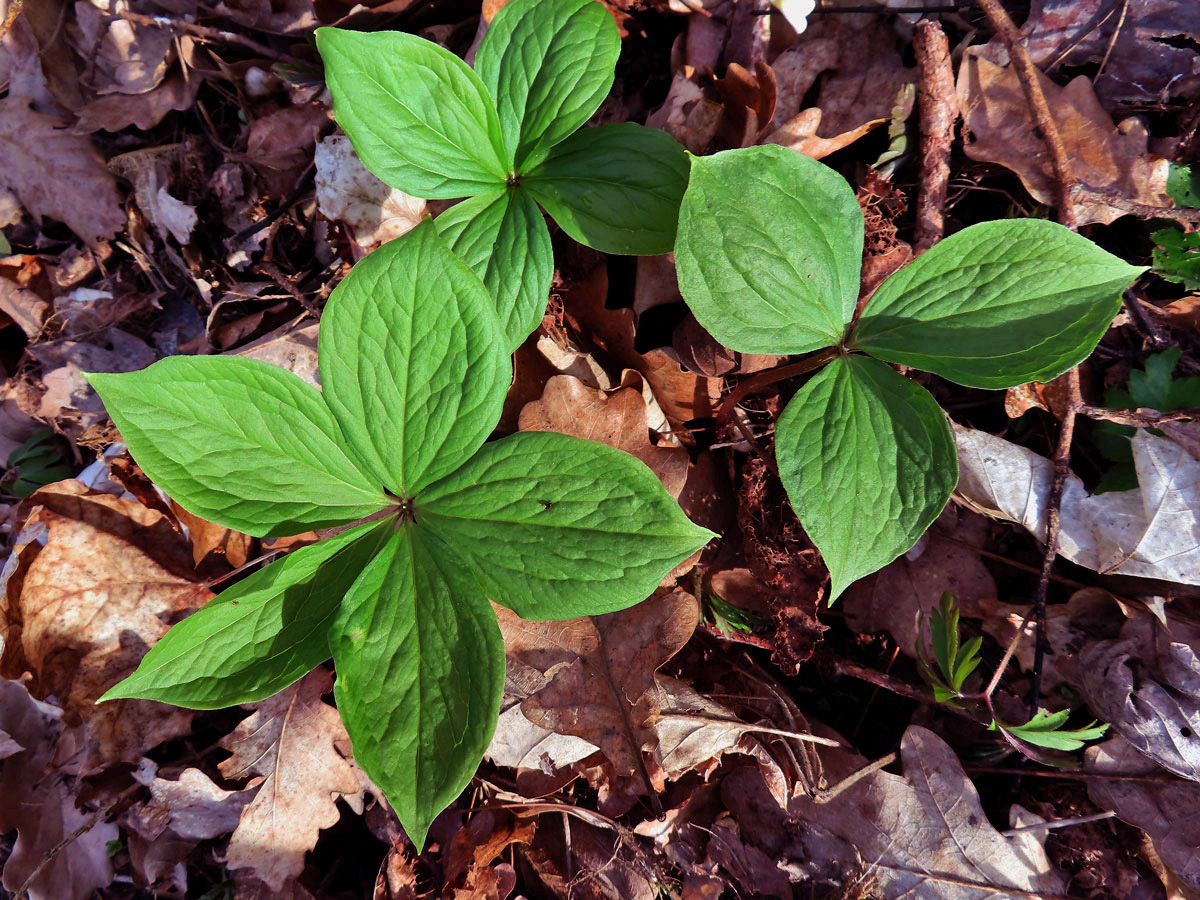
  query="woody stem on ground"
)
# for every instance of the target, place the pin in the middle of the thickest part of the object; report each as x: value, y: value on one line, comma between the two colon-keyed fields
x: 760, y: 380
x: 1028, y: 74
x: 938, y: 113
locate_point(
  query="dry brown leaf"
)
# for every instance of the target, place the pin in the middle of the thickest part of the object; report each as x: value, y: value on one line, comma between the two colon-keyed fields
x: 81, y: 610
x: 895, y: 597
x: 289, y: 743
x: 64, y: 362
x: 800, y: 134
x: 925, y: 833
x: 124, y: 57
x: 116, y: 112
x: 347, y: 192
x: 292, y: 346
x: 57, y: 173
x: 869, y: 74
x: 1103, y: 156
x: 617, y: 419
x: 603, y: 688
x: 24, y: 307
x: 594, y: 865
x: 39, y: 804
x: 1165, y: 811
x: 280, y: 144
x: 209, y: 537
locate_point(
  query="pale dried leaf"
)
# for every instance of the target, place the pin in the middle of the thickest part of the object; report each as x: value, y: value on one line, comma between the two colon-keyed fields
x: 24, y: 307
x: 602, y: 689
x: 925, y: 833
x: 290, y: 742
x: 1165, y: 811
x: 81, y: 610
x: 1152, y: 532
x: 1146, y: 683
x: 57, y: 173
x: 347, y: 192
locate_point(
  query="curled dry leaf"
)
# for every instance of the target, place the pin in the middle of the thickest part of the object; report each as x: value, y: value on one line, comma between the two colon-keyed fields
x: 1165, y: 811
x: 347, y: 192
x: 180, y: 813
x: 1103, y: 156
x: 124, y: 57
x: 289, y: 743
x: 57, y: 173
x: 40, y: 805
x: 98, y: 580
x: 617, y: 419
x: 925, y: 833
x: 1146, y: 682
x: 1153, y: 532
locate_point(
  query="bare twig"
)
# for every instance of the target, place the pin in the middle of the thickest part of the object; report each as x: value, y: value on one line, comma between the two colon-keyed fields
x: 1062, y: 469
x: 204, y: 32
x: 1133, y: 207
x: 761, y: 380
x: 939, y: 112
x: 1028, y: 75
x: 1059, y: 823
x: 1140, y: 417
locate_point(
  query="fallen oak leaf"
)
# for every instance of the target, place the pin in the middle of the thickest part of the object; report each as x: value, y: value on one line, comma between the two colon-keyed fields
x: 289, y: 743
x: 57, y: 173
x: 603, y: 684
x: 925, y: 832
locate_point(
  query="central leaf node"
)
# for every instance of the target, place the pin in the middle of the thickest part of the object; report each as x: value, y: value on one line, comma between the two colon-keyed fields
x: 513, y: 180
x: 406, y: 511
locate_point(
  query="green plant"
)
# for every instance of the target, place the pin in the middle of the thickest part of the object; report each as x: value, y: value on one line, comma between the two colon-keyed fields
x: 956, y: 662
x: 40, y: 460
x: 769, y: 251
x: 414, y: 374
x: 1176, y: 254
x: 1152, y: 388
x: 506, y: 135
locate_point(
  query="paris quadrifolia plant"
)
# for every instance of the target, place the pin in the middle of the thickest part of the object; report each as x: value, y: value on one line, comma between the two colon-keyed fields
x: 507, y: 135
x: 769, y: 252
x: 414, y: 371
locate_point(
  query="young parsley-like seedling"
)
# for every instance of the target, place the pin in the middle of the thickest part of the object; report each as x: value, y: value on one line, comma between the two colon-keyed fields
x: 507, y: 136
x: 769, y: 254
x: 414, y: 373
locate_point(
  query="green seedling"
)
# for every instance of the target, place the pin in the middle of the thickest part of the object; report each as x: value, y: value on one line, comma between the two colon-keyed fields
x: 507, y: 136
x: 1177, y: 252
x: 1152, y: 388
x: 414, y: 372
x: 769, y: 252
x: 38, y: 462
x: 947, y: 675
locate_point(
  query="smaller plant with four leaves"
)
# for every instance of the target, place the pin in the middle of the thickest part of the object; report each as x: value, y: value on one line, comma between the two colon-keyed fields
x: 414, y: 373
x: 769, y: 252
x: 507, y: 135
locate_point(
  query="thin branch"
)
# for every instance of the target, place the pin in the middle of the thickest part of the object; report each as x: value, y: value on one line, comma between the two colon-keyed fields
x: 939, y: 113
x: 203, y: 32
x: 1133, y: 207
x: 1028, y: 75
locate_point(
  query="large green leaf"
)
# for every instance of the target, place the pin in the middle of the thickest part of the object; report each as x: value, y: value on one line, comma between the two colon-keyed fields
x: 769, y: 250
x: 420, y: 671
x: 615, y: 188
x: 504, y: 239
x: 548, y: 64
x: 417, y: 115
x: 412, y: 360
x: 868, y: 461
x: 556, y: 527
x: 260, y: 635
x: 239, y: 442
x: 998, y: 304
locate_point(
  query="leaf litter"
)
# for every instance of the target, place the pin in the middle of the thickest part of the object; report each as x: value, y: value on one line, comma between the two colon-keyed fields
x: 173, y: 183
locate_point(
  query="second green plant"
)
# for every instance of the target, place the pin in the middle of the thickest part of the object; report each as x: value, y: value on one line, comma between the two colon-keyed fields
x: 769, y: 255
